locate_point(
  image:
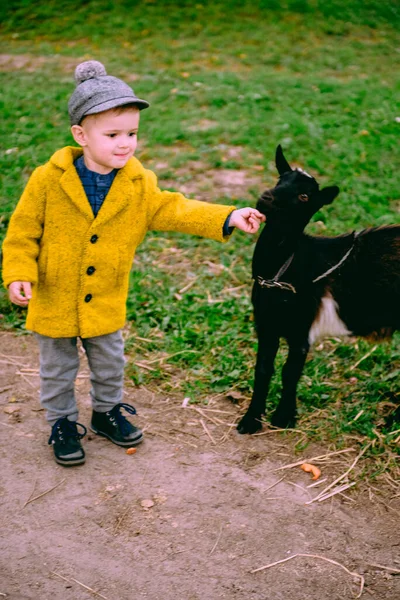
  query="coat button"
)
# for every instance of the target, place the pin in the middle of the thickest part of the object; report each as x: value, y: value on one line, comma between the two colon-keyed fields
x: 90, y: 270
x: 88, y: 297
x: 94, y: 238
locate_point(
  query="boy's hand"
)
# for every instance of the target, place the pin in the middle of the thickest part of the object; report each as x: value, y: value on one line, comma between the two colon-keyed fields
x: 20, y: 292
x: 247, y: 219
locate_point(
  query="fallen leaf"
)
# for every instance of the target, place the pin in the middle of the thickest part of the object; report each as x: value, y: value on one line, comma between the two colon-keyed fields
x: 311, y: 469
x: 236, y: 396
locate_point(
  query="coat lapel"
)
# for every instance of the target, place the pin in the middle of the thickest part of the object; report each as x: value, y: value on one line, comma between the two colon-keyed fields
x: 116, y: 199
x: 72, y: 186
x: 121, y: 193
x: 70, y: 181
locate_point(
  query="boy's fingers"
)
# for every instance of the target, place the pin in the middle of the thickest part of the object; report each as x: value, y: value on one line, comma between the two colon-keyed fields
x: 254, y: 221
x: 253, y: 226
x: 27, y: 288
x: 258, y: 215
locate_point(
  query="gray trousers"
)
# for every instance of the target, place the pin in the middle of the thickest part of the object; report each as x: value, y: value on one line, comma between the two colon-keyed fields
x: 59, y: 364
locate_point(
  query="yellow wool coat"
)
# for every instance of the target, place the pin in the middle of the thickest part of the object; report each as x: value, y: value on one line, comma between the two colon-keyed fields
x: 79, y: 265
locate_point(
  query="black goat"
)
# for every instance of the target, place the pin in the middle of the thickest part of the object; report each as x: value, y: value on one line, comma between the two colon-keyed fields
x: 306, y: 287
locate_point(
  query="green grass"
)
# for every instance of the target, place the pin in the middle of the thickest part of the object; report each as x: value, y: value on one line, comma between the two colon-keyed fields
x: 320, y: 78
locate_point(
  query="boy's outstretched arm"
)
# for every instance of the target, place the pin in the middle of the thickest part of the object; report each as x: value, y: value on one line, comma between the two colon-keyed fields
x: 171, y: 211
x: 247, y: 219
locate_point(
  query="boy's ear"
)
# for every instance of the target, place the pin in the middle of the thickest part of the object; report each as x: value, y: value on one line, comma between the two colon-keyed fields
x: 78, y: 134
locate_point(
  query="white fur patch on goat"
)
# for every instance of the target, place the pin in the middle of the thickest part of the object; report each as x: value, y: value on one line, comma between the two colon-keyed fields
x: 304, y: 172
x: 327, y: 321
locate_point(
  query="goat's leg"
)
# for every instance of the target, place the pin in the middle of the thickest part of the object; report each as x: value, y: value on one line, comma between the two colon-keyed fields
x: 285, y: 413
x: 251, y: 422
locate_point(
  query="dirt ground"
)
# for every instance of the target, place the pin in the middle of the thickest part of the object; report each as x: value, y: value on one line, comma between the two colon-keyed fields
x: 187, y: 517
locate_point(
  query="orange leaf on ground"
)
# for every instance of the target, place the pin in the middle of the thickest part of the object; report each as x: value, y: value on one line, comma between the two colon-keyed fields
x: 311, y: 469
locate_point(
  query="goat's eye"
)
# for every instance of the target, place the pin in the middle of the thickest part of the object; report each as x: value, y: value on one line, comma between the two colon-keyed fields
x: 303, y: 197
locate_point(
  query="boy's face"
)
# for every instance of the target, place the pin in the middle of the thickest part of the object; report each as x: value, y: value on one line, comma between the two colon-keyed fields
x: 108, y: 139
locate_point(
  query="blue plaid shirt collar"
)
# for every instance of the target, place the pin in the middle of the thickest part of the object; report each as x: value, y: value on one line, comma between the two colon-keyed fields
x: 96, y: 185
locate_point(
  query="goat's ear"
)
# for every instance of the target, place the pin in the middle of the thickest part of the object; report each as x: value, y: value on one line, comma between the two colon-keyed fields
x: 282, y: 164
x: 328, y: 194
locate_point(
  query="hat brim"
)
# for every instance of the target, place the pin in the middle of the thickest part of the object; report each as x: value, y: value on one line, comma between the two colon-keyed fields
x: 115, y: 103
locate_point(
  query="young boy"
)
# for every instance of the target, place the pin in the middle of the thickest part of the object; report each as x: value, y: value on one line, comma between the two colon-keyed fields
x: 69, y: 250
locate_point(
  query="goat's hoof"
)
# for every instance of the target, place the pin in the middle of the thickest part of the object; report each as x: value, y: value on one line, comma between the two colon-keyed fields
x: 283, y: 421
x: 249, y: 424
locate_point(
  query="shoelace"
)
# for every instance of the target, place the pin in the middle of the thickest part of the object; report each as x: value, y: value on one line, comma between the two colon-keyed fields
x: 64, y: 429
x: 124, y: 425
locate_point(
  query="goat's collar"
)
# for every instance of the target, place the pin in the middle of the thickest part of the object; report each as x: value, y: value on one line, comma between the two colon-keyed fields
x: 272, y: 283
x: 283, y: 285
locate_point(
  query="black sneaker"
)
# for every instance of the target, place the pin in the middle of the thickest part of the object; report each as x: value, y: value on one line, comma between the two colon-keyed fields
x: 114, y: 426
x: 66, y: 442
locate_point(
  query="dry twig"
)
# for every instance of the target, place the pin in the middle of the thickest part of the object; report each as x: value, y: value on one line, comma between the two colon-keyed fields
x: 216, y: 410
x: 364, y: 357
x: 188, y: 286
x: 338, y: 490
x: 384, y: 567
x: 317, y: 483
x: 142, y: 366
x: 207, y: 432
x: 162, y: 358
x: 313, y: 459
x: 24, y: 376
x: 43, y: 494
x: 216, y: 543
x: 353, y: 464
x: 214, y: 420
x: 330, y: 560
x: 273, y: 485
x: 80, y: 583
x: 31, y: 494
x: 5, y: 389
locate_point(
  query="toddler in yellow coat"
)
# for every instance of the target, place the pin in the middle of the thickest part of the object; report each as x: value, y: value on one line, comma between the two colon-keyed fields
x: 70, y: 246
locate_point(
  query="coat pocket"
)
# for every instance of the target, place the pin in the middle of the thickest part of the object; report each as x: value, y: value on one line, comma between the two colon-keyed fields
x: 124, y: 266
x: 43, y: 267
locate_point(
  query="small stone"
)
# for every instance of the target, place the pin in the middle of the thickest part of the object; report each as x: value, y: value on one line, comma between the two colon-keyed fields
x: 9, y: 410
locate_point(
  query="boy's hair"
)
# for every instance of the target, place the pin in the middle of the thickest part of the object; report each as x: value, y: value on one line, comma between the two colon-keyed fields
x: 96, y: 92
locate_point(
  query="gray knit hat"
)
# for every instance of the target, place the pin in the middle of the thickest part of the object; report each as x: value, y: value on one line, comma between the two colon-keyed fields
x: 96, y: 91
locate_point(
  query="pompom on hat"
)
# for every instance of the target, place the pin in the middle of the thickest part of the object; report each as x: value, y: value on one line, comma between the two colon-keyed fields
x: 96, y: 92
